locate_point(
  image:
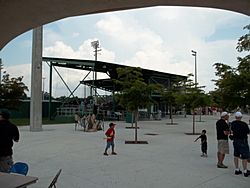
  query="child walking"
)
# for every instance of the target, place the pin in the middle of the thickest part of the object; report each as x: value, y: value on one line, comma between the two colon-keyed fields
x: 203, y: 138
x: 110, y: 133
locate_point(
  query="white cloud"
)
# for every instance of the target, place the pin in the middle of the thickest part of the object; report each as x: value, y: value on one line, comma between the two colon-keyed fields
x: 127, y: 32
x: 155, y: 38
x: 169, y: 49
x: 84, y: 51
x: 50, y: 36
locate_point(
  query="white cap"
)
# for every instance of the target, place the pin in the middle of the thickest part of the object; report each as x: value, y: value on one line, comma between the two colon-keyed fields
x: 238, y: 114
x: 223, y: 114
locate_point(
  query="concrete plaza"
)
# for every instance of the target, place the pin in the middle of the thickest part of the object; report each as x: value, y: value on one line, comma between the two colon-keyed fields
x: 171, y: 159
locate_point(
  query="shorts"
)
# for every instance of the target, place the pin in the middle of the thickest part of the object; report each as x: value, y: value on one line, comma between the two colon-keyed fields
x: 223, y: 146
x: 241, y: 149
x: 5, y: 163
x: 110, y: 143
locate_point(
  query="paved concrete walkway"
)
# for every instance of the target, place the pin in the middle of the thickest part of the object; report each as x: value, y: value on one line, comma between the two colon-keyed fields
x: 171, y: 159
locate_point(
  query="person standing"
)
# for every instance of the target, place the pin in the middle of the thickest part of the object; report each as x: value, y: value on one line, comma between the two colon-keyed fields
x: 203, y: 138
x: 110, y: 133
x: 8, y: 133
x: 240, y: 130
x: 222, y: 129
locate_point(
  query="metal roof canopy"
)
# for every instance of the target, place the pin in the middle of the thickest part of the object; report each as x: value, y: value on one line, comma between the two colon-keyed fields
x: 149, y: 76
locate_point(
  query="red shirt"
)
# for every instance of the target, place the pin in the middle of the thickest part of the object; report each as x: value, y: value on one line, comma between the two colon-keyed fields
x: 110, y: 133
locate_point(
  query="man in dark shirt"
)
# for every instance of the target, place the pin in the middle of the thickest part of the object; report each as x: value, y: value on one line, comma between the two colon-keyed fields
x: 8, y: 134
x: 222, y: 130
x: 240, y: 130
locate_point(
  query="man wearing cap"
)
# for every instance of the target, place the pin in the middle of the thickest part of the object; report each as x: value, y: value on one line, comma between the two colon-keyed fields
x: 240, y: 130
x: 222, y: 129
x: 8, y: 134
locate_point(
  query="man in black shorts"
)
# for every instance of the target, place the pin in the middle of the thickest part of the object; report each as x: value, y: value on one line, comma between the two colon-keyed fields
x: 240, y: 130
x: 222, y: 129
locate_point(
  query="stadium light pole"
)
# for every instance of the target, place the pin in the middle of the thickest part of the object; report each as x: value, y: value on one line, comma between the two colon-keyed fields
x: 96, y: 46
x: 194, y: 53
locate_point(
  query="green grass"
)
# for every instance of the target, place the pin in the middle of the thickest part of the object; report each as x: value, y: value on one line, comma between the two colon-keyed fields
x: 26, y: 121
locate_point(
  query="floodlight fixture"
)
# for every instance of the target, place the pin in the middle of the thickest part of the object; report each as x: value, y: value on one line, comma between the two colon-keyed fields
x: 95, y: 44
x: 193, y: 53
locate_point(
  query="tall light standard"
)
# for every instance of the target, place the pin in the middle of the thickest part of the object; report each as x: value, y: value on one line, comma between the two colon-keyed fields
x: 96, y: 46
x: 194, y: 53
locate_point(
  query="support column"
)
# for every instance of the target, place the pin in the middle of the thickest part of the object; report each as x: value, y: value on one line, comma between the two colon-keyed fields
x: 36, y: 81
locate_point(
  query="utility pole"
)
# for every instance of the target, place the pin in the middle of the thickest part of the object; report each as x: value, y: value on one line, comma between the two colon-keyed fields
x: 194, y: 53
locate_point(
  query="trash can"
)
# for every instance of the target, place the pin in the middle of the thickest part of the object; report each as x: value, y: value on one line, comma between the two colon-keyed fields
x: 129, y: 117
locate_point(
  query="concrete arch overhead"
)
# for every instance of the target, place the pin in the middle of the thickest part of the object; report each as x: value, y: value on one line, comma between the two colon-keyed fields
x: 18, y: 16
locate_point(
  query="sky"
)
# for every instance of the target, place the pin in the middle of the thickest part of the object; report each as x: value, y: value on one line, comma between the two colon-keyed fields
x: 156, y: 38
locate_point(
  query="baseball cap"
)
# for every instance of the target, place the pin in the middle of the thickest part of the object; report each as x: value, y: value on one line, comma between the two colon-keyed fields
x: 238, y: 114
x: 111, y: 124
x: 223, y: 114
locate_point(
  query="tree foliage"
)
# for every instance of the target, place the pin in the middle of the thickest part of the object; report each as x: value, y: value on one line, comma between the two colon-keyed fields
x: 168, y: 96
x: 135, y: 92
x: 12, y: 90
x: 233, y: 84
x: 191, y: 96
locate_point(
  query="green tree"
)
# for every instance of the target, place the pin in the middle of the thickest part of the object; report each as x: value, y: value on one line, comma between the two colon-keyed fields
x: 226, y: 95
x: 233, y: 85
x: 134, y: 93
x: 244, y: 41
x: 192, y: 96
x: 168, y: 96
x: 243, y: 68
x: 12, y: 90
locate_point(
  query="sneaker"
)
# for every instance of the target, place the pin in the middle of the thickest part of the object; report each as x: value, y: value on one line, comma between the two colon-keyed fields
x: 247, y: 173
x: 237, y: 172
x: 105, y: 154
x: 202, y: 155
x: 114, y: 153
x: 221, y: 166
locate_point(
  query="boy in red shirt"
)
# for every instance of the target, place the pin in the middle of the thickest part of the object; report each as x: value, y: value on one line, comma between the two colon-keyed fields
x: 110, y: 133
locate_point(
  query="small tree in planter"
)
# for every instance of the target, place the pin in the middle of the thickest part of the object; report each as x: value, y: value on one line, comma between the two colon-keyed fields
x: 134, y: 93
x: 168, y: 96
x: 192, y: 97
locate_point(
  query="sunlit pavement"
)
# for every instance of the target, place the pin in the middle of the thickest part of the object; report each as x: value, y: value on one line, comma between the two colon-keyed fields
x: 170, y: 159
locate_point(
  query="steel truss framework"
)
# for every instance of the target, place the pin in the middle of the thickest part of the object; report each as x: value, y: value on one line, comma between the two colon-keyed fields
x: 149, y: 76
